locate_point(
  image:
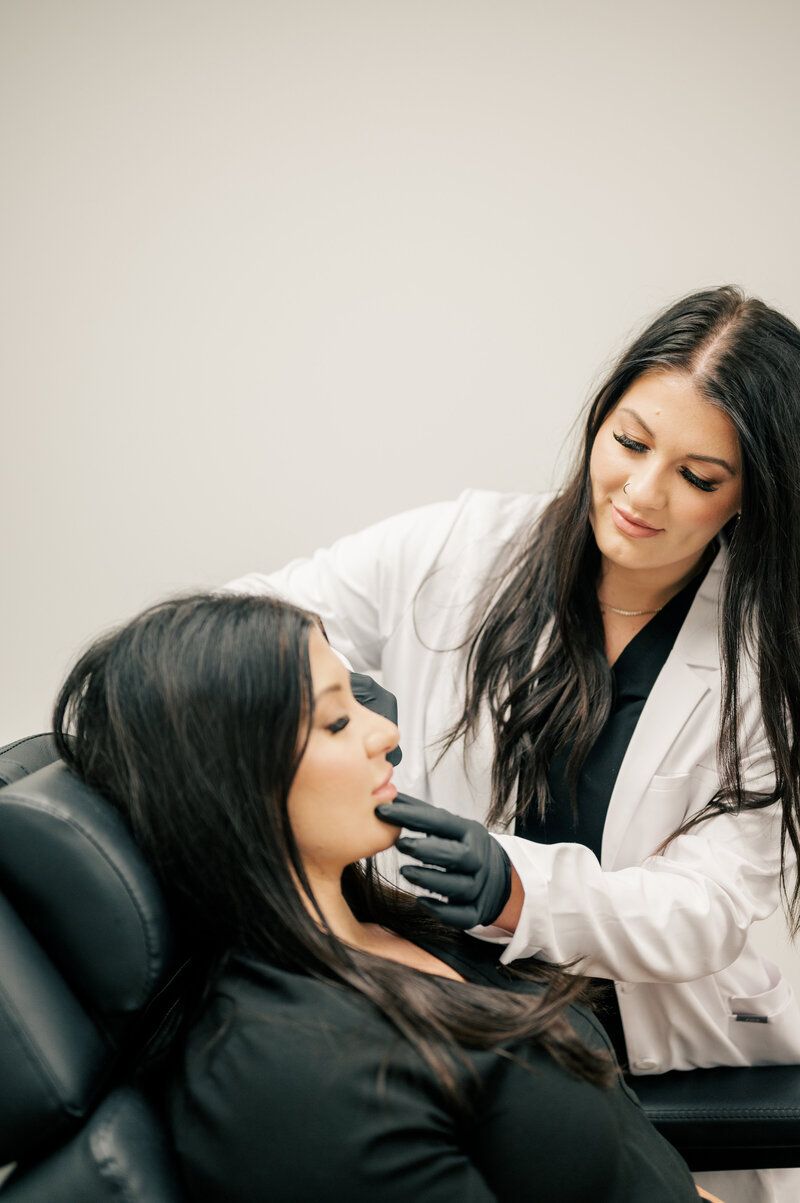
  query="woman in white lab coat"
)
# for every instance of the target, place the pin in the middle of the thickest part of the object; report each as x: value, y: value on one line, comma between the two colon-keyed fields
x: 613, y: 674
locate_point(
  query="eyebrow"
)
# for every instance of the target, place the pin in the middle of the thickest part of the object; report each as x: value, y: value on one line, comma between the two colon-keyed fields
x: 705, y: 459
x: 328, y: 689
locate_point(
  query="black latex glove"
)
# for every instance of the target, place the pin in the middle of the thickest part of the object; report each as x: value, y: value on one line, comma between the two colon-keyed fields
x: 372, y: 695
x: 474, y: 872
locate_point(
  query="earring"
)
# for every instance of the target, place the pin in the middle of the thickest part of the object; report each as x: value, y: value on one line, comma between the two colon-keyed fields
x: 626, y: 487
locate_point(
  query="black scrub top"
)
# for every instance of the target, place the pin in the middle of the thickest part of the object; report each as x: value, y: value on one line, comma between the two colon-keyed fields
x: 294, y: 1089
x: 634, y: 674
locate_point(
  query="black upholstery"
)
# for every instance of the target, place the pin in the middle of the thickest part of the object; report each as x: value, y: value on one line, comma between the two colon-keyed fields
x: 120, y: 1154
x: 25, y: 756
x: 88, y: 950
x: 728, y: 1119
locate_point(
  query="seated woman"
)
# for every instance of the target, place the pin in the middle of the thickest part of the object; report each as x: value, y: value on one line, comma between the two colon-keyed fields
x: 342, y: 1044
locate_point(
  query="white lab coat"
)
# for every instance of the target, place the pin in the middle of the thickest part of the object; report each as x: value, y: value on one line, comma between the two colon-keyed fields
x: 673, y: 931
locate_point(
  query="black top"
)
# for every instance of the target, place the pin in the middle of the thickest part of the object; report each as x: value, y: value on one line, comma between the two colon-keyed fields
x: 634, y: 674
x: 294, y: 1089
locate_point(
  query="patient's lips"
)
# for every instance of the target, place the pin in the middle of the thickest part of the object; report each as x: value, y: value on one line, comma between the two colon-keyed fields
x: 386, y: 791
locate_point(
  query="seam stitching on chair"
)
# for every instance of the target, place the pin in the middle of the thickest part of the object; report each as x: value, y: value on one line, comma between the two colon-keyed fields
x: 707, y: 1116
x: 18, y: 743
x: 33, y: 1056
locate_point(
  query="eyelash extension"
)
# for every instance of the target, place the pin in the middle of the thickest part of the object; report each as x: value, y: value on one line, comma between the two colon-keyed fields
x: 631, y: 445
x: 338, y: 726
x: 698, y: 481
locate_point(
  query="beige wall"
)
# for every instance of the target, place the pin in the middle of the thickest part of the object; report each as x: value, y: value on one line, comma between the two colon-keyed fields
x: 273, y: 270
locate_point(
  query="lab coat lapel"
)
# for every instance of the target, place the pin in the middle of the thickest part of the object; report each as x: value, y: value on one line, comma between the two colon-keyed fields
x: 680, y: 686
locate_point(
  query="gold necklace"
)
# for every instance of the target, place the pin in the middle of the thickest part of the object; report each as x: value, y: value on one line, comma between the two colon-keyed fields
x: 628, y: 613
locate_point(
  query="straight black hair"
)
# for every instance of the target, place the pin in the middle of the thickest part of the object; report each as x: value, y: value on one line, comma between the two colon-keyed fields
x: 192, y: 720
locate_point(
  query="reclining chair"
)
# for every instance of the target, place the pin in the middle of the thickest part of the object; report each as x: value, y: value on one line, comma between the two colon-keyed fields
x: 87, y: 953
x: 88, y: 957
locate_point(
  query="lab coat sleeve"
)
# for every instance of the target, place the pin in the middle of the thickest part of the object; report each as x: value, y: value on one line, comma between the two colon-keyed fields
x: 363, y: 585
x: 676, y: 917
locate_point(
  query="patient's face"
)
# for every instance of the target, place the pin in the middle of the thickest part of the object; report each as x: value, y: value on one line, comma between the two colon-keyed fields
x: 338, y: 782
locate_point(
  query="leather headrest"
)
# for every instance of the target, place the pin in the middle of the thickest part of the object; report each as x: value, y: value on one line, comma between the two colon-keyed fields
x: 70, y: 868
x: 26, y: 756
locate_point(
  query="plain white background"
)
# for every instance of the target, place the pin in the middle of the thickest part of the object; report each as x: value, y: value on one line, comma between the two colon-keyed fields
x: 274, y: 270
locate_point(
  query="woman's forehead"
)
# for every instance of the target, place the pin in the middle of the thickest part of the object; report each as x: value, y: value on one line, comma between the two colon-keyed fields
x: 670, y: 405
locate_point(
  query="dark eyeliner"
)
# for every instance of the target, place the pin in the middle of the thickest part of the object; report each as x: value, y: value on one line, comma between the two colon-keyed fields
x: 338, y: 726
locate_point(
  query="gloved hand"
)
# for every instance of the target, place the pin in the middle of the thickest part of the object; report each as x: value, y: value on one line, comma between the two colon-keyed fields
x: 474, y: 872
x: 372, y: 695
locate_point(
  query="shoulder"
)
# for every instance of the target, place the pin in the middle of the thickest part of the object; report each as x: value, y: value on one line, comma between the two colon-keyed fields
x: 474, y: 523
x: 254, y: 1001
x: 502, y: 515
x: 271, y: 1038
x: 486, y: 529
x: 462, y: 567
x: 474, y: 513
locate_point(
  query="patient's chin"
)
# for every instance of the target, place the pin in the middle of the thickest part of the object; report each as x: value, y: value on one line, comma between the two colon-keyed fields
x: 387, y: 836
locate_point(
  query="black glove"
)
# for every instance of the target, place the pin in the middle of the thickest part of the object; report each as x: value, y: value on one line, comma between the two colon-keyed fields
x: 474, y: 873
x: 372, y: 695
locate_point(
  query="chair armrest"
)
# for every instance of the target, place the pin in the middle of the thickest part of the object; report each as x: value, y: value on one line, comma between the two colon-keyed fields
x: 727, y: 1119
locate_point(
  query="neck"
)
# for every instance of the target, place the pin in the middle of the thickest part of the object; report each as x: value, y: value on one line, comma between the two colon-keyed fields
x: 326, y: 884
x: 639, y: 589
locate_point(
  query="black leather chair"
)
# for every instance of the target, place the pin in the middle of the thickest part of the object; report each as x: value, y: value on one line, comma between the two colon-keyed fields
x: 88, y: 955
x: 87, y: 952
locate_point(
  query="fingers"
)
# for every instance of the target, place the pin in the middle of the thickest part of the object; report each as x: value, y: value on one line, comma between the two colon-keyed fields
x: 372, y: 695
x: 421, y: 816
x: 462, y: 917
x: 447, y: 854
x: 458, y: 887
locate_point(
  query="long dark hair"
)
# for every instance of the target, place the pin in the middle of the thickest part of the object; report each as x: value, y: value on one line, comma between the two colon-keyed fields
x: 192, y: 720
x: 745, y: 358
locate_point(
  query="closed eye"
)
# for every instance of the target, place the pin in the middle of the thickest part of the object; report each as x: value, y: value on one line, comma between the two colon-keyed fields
x: 706, y: 485
x: 338, y: 726
x: 698, y: 482
x: 631, y: 444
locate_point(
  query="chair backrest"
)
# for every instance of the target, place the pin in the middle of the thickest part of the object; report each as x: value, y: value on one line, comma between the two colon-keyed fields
x: 87, y: 950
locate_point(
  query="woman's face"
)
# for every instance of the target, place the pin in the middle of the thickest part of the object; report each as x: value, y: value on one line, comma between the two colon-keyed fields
x: 344, y: 773
x: 679, y: 456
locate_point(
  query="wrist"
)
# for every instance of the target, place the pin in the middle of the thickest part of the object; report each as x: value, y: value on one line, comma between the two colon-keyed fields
x: 509, y: 916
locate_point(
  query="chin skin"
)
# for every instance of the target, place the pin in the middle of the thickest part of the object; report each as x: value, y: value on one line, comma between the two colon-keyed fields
x: 387, y: 837
x: 656, y: 553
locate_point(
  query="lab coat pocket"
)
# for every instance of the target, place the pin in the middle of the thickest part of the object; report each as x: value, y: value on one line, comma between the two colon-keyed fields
x: 655, y: 817
x: 668, y: 801
x: 679, y: 782
x: 765, y: 1027
x: 693, y: 789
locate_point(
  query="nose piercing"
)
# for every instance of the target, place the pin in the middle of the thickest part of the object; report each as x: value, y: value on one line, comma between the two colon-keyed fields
x: 625, y: 488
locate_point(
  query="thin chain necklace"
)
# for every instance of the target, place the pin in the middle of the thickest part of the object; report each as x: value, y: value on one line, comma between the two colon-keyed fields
x: 705, y: 560
x: 628, y: 613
